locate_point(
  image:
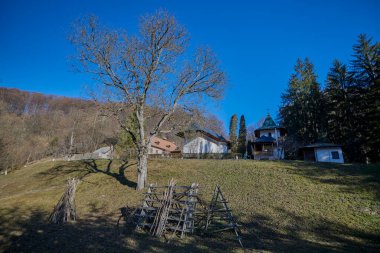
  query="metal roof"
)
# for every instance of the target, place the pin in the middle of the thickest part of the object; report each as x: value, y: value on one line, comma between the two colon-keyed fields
x: 196, y: 128
x: 322, y: 145
x: 163, y: 144
x: 268, y: 124
x: 265, y: 139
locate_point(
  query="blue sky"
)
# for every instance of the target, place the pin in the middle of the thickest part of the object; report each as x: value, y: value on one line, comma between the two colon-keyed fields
x: 257, y: 42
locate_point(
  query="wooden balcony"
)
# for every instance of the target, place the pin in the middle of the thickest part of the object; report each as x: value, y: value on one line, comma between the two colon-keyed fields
x: 264, y: 155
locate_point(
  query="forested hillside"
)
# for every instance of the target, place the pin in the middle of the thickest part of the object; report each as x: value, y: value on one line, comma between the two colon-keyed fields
x: 34, y: 126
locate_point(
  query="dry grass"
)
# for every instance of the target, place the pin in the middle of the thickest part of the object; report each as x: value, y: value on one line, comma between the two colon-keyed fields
x: 283, y: 206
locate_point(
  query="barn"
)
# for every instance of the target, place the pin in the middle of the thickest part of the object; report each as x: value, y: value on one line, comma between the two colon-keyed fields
x: 323, y: 152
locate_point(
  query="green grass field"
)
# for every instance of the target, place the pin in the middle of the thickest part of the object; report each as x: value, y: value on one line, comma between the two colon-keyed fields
x: 282, y: 206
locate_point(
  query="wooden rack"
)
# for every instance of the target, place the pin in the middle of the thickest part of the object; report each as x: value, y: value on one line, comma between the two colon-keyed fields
x: 219, y: 216
x: 169, y: 208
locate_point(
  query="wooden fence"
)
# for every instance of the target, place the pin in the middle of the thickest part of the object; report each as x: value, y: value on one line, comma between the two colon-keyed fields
x: 132, y: 154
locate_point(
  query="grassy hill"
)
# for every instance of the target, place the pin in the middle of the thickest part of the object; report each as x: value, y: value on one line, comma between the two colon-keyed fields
x: 283, y: 206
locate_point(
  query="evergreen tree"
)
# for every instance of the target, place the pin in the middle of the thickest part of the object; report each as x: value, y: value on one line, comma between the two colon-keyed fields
x: 352, y: 102
x: 365, y: 63
x: 340, y: 108
x: 302, y: 111
x: 337, y: 106
x: 233, y: 138
x: 125, y: 141
x: 242, y: 139
x: 366, y: 70
x: 374, y: 122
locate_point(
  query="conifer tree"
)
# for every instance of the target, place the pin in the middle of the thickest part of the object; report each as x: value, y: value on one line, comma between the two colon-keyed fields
x: 337, y: 105
x: 366, y: 70
x: 302, y: 105
x: 125, y: 141
x: 351, y: 103
x: 233, y: 138
x: 340, y: 110
x: 365, y: 64
x: 242, y: 139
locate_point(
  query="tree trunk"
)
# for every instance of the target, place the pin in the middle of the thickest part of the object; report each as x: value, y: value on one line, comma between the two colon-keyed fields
x: 71, y: 149
x: 142, y: 158
x: 142, y: 169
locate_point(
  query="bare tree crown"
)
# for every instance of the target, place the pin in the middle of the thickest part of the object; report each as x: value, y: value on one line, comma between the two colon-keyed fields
x: 147, y: 69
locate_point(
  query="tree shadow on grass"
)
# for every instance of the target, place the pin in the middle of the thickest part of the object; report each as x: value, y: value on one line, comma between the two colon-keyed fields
x: 301, y: 234
x: 90, y: 234
x: 85, y: 167
x: 352, y: 178
x: 92, y: 167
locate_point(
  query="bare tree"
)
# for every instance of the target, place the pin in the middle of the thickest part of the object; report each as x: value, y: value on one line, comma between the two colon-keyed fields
x: 149, y: 70
x: 251, y: 132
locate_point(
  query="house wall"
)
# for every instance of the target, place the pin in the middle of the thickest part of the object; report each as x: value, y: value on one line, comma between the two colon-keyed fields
x: 103, y: 153
x: 324, y: 155
x: 201, y: 145
x: 153, y: 151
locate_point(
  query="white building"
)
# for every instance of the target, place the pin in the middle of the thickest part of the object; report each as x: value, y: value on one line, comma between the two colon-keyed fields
x: 323, y: 152
x: 198, y: 141
x: 103, y: 153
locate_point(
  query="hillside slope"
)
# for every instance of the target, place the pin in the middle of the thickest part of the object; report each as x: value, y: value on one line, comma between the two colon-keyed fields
x: 283, y: 206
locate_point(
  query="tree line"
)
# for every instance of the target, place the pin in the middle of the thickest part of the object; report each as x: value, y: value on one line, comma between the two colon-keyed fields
x: 346, y: 111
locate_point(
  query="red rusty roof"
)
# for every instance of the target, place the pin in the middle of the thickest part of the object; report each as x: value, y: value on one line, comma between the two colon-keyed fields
x: 164, y: 144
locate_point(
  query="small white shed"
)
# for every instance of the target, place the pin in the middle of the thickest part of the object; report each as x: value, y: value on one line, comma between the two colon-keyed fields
x: 103, y: 153
x: 323, y: 152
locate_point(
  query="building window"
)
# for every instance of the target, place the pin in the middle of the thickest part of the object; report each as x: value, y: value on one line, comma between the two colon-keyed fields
x: 335, y: 155
x: 269, y: 134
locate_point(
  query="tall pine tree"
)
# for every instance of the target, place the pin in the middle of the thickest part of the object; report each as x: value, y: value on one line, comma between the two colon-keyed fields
x: 302, y: 105
x: 353, y: 103
x: 233, y: 138
x: 340, y: 108
x: 242, y: 139
x: 366, y: 70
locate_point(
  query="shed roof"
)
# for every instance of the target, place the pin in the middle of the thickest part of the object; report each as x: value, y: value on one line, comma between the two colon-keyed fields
x: 322, y: 145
